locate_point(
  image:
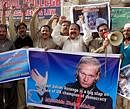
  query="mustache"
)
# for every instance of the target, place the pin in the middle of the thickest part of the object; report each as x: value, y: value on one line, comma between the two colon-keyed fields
x: 43, y: 34
x: 65, y: 28
x: 73, y: 33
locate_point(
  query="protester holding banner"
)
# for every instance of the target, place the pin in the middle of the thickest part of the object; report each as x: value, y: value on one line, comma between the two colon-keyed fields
x: 18, y: 33
x: 8, y: 91
x: 74, y: 42
x: 83, y: 93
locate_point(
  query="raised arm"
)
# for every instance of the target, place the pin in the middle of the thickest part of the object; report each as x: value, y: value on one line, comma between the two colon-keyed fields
x: 24, y: 8
x: 57, y: 37
x: 33, y: 24
x: 87, y: 37
x: 4, y: 9
x: 11, y: 24
x: 50, y: 21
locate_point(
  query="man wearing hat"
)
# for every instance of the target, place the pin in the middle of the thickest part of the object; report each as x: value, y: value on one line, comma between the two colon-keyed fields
x: 125, y: 46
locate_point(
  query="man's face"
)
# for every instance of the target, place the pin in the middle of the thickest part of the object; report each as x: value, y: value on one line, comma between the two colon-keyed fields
x: 65, y: 28
x: 3, y: 33
x: 87, y: 75
x: 92, y: 20
x: 74, y: 31
x: 22, y: 30
x: 45, y: 32
x: 126, y: 32
x: 103, y: 29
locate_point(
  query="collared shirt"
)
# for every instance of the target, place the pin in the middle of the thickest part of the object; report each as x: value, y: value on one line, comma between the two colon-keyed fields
x: 75, y: 45
x: 72, y: 45
x: 47, y: 43
x: 6, y: 45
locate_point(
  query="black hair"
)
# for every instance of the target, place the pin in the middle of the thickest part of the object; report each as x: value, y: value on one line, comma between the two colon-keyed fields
x: 50, y: 29
x: 20, y: 24
x: 67, y: 21
x: 102, y: 24
x: 76, y: 25
x: 3, y: 26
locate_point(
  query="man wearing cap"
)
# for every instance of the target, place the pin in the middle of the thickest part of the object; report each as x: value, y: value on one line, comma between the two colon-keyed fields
x: 125, y: 46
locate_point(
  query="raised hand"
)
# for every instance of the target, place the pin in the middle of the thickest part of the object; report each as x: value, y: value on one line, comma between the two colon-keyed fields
x: 54, y: 17
x: 24, y: 8
x: 62, y: 19
x: 105, y: 42
x: 36, y: 10
x: 12, y: 9
x: 4, y: 7
x: 81, y: 19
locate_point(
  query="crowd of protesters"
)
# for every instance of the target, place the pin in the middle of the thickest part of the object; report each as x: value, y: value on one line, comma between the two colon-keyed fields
x: 64, y: 36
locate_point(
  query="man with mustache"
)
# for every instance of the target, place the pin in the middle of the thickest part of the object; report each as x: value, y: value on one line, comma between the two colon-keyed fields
x: 74, y: 42
x: 125, y: 46
x: 41, y: 38
x: 125, y: 51
x: 8, y: 91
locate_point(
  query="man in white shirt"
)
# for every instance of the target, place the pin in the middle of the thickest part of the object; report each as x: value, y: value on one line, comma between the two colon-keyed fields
x: 74, y: 42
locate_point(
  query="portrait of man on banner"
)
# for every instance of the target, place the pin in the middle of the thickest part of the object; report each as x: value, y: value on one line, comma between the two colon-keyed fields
x: 82, y: 88
x: 94, y: 14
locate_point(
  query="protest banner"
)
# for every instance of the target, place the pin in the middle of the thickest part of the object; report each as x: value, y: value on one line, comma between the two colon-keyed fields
x: 120, y: 16
x: 55, y: 80
x: 49, y: 7
x: 14, y: 65
x: 124, y: 82
x: 94, y: 14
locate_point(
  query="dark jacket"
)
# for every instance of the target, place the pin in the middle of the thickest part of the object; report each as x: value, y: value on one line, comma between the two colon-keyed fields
x: 23, y: 42
x: 91, y: 97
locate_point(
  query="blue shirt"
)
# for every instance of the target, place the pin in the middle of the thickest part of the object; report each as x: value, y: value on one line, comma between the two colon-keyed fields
x: 125, y: 51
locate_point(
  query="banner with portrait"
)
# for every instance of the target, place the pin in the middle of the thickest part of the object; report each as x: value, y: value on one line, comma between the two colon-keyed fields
x: 14, y: 65
x: 56, y: 80
x: 94, y: 14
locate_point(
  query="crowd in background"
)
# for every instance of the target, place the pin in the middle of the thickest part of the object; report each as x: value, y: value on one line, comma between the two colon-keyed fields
x: 64, y: 35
